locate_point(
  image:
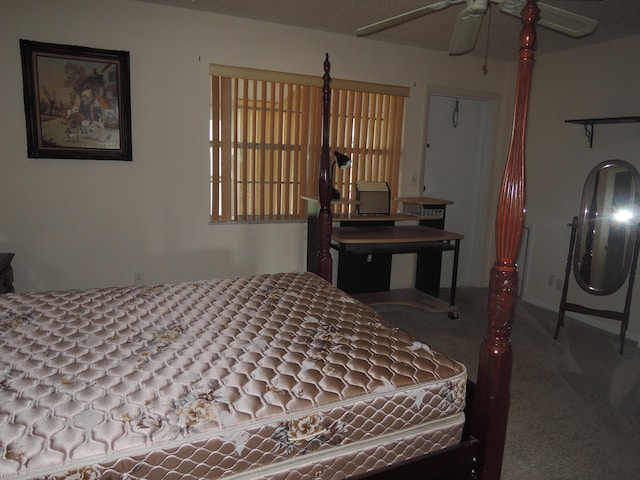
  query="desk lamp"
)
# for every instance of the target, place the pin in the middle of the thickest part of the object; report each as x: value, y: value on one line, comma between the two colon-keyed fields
x: 343, y: 162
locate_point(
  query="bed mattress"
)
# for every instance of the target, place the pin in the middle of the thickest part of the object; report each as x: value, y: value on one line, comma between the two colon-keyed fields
x: 276, y: 376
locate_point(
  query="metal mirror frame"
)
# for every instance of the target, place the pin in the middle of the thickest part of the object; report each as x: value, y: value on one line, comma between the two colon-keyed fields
x: 588, y: 215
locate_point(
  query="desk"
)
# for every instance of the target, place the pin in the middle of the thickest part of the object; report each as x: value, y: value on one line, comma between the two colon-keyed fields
x: 389, y: 239
x: 371, y: 272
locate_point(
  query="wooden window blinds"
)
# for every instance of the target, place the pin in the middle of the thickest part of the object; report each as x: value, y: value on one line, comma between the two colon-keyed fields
x: 266, y: 140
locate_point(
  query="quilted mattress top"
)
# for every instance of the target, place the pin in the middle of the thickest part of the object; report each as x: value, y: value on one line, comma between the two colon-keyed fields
x: 87, y: 375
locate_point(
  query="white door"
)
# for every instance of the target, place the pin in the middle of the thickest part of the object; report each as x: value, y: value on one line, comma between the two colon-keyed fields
x: 456, y: 168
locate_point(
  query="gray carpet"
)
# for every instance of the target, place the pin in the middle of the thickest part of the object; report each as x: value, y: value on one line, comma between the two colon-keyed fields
x: 575, y: 402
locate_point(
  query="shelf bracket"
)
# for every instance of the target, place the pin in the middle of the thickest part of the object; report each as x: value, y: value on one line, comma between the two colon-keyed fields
x: 588, y: 124
x: 588, y: 131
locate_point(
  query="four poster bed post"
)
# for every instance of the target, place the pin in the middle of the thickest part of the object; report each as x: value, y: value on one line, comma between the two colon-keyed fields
x: 490, y: 407
x: 325, y: 183
x: 491, y: 401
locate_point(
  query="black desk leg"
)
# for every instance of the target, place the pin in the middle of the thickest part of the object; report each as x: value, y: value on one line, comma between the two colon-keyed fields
x: 429, y: 263
x: 454, y: 275
x: 428, y: 267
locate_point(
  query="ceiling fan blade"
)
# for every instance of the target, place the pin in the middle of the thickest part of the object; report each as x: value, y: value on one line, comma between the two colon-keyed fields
x: 554, y: 18
x: 405, y: 17
x: 465, y: 32
x: 566, y: 22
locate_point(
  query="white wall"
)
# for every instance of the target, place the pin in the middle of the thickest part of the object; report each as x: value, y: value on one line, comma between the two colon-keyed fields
x: 597, y: 81
x: 81, y: 224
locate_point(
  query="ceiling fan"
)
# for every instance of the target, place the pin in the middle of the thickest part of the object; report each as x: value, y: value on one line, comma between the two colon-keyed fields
x: 470, y: 18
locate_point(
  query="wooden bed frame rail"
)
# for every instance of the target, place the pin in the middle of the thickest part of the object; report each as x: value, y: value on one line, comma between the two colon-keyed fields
x: 481, y: 455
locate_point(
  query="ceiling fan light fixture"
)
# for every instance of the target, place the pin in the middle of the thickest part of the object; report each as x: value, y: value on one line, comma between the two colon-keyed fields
x: 477, y: 6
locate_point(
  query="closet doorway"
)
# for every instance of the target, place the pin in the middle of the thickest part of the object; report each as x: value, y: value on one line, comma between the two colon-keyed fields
x: 456, y: 167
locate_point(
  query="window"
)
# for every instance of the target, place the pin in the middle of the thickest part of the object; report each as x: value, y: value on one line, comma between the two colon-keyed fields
x: 266, y: 140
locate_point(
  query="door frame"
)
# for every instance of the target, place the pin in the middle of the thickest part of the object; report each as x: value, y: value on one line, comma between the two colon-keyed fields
x: 483, y: 230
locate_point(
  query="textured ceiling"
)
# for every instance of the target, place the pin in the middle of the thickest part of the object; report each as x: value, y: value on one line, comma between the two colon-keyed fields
x: 617, y: 19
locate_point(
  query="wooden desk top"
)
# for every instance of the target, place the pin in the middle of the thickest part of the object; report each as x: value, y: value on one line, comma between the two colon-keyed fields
x: 392, y: 234
x: 424, y: 200
x: 414, y: 200
x: 376, y: 217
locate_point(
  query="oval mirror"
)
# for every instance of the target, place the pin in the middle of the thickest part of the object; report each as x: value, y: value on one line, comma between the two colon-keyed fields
x: 607, y: 227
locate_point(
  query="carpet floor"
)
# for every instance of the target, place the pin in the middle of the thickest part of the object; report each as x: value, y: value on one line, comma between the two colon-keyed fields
x: 575, y: 401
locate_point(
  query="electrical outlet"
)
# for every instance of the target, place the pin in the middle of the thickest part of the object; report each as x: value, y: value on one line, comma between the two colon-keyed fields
x: 138, y: 279
x: 550, y: 280
x: 559, y: 282
x: 414, y: 178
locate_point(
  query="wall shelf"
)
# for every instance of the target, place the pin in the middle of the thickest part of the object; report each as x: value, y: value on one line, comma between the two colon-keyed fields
x: 588, y: 124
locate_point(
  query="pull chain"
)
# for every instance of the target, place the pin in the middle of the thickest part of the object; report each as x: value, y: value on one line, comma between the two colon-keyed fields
x: 486, y: 48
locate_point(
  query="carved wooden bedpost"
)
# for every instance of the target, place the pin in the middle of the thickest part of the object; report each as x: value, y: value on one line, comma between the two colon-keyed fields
x: 325, y: 183
x: 491, y: 402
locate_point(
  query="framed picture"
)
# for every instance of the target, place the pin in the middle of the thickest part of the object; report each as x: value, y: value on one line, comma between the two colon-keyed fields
x: 77, y: 102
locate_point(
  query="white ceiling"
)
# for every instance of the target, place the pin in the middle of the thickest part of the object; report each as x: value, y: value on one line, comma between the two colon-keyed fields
x: 617, y: 19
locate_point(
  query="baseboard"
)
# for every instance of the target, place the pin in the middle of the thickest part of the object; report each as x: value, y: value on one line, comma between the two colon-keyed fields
x: 586, y: 319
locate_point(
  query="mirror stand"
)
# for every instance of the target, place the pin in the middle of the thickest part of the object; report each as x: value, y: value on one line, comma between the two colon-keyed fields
x: 605, y: 239
x: 565, y: 306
